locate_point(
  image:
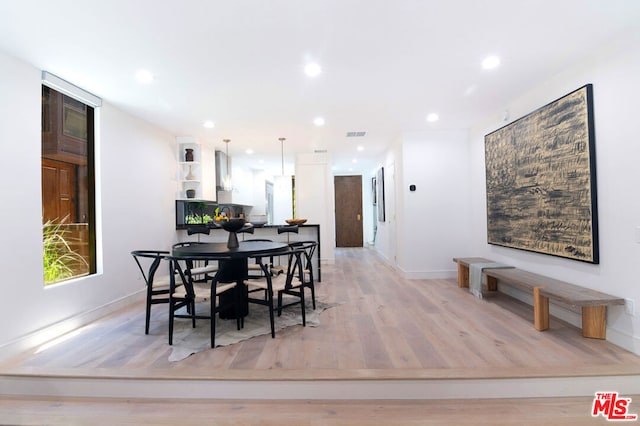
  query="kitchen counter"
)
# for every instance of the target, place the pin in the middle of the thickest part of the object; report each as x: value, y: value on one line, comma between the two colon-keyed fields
x: 306, y: 232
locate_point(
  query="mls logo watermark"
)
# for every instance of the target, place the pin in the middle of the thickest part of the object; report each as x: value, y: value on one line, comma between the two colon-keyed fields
x: 612, y: 407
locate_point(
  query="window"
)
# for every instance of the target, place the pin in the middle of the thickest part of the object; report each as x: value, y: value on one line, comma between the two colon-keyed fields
x: 68, y: 186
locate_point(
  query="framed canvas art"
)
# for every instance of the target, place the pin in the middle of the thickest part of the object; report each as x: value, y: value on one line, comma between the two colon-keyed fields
x: 541, y: 180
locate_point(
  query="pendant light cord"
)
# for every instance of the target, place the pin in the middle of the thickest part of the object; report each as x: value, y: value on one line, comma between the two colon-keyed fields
x: 282, y: 153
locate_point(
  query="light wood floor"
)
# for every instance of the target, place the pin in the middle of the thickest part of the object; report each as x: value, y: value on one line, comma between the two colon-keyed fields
x: 382, y: 322
x: 384, y: 326
x: 528, y: 411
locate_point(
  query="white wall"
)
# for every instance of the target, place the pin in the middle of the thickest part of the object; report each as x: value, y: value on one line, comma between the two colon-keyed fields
x: 434, y: 221
x: 614, y: 73
x: 138, y: 169
x: 315, y: 199
x: 386, y: 235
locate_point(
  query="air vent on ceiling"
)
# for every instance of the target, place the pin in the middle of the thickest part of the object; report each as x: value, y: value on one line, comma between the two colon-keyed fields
x: 319, y: 151
x: 356, y: 134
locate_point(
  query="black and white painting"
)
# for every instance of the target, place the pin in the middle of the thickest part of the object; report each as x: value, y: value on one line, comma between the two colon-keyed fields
x: 541, y: 182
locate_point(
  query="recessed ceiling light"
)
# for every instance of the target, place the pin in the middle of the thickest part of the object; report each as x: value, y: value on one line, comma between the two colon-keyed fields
x: 318, y: 121
x: 432, y: 118
x: 209, y: 124
x: 144, y: 76
x: 249, y: 151
x: 360, y: 148
x: 491, y: 62
x: 312, y: 69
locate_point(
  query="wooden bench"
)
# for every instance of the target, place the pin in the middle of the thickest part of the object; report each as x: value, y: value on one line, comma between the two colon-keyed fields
x: 593, y: 303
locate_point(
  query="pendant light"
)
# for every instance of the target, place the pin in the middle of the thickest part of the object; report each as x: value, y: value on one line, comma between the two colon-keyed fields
x: 282, y: 152
x: 227, y: 180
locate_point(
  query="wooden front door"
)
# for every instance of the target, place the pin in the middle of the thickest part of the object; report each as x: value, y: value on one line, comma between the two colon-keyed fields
x: 58, y: 191
x: 348, y: 204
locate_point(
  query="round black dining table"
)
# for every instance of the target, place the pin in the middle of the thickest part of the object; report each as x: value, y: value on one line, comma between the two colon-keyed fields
x: 232, y: 263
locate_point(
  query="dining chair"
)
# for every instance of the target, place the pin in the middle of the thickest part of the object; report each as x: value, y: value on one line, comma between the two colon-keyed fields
x: 185, y: 292
x: 274, y: 283
x: 254, y: 270
x: 246, y: 230
x: 289, y: 229
x: 198, y: 230
x: 309, y: 248
x: 158, y: 286
x: 201, y: 269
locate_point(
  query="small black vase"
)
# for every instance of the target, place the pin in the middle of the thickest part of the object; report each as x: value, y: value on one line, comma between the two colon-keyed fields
x: 188, y: 155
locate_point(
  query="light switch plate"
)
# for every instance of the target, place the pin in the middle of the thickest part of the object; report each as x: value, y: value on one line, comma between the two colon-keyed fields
x: 629, y: 307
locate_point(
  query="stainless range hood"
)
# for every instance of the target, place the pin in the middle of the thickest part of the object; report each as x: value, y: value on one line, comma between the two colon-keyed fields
x: 221, y: 169
x: 223, y: 196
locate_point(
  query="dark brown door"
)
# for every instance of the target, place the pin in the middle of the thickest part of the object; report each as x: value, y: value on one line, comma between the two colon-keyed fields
x: 348, y: 202
x: 58, y: 190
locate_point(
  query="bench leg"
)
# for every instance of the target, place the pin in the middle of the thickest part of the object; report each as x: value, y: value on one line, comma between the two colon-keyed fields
x: 492, y: 283
x: 463, y: 276
x: 594, y: 322
x: 540, y: 310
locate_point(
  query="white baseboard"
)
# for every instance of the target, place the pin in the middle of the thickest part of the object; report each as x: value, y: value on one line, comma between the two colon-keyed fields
x: 53, y: 331
x: 624, y: 340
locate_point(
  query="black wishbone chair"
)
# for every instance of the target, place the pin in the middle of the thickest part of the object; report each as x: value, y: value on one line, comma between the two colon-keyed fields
x: 309, y: 248
x: 275, y: 283
x: 158, y: 286
x: 288, y: 229
x: 189, y: 292
x: 202, y: 270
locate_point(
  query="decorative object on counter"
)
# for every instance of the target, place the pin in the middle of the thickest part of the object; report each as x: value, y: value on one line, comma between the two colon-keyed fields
x: 259, y: 220
x: 191, y: 193
x: 232, y: 226
x: 196, y: 219
x: 190, y: 175
x: 188, y: 155
x: 220, y: 215
x: 296, y: 221
x: 227, y: 180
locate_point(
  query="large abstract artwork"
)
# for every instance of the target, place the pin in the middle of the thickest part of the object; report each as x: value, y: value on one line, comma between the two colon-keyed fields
x: 541, y: 183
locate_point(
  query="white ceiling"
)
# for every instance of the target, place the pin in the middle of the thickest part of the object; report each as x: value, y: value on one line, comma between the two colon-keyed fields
x: 386, y: 63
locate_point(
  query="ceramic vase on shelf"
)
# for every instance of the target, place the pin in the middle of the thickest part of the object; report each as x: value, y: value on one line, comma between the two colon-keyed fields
x: 188, y: 155
x: 190, y: 175
x: 191, y: 193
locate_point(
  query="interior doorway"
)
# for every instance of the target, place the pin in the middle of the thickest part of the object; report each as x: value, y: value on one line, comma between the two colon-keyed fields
x: 348, y: 210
